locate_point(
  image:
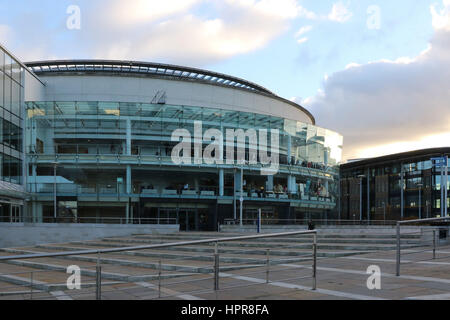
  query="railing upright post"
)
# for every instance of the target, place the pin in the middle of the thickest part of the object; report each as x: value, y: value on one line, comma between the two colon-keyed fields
x: 31, y: 286
x: 159, y: 278
x: 314, y: 286
x: 267, y: 265
x: 216, y: 267
x: 434, y: 244
x: 98, y: 279
x: 398, y: 250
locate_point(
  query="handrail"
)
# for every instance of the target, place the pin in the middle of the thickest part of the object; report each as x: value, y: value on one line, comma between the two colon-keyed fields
x: 423, y: 220
x: 399, y: 224
x: 154, y: 246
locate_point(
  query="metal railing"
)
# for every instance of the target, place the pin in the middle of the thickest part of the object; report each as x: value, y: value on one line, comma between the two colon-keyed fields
x: 216, y: 269
x: 424, y: 243
x: 315, y: 222
x: 90, y: 220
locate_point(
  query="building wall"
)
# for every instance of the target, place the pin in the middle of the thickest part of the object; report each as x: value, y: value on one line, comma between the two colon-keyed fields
x: 143, y: 90
x: 385, y: 195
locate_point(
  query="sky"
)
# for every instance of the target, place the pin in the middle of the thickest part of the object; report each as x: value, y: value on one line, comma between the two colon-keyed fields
x: 377, y: 72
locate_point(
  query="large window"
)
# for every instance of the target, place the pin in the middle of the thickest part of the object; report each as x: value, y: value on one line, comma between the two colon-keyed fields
x: 11, y: 132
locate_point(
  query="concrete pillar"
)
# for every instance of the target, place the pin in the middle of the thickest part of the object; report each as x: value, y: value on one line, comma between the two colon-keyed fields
x: 34, y: 175
x: 292, y: 184
x: 128, y: 149
x: 128, y: 182
x: 221, y: 183
x: 289, y: 149
x: 269, y: 184
x: 237, y: 181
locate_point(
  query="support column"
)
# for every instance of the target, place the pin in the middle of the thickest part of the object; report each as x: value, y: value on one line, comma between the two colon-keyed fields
x: 128, y: 182
x: 221, y: 183
x: 269, y: 184
x: 128, y: 151
x: 289, y: 149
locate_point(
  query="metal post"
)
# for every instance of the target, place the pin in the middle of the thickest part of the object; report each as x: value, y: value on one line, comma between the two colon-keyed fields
x: 31, y: 286
x: 159, y: 278
x: 442, y: 190
x: 314, y: 286
x: 259, y: 220
x: 398, y: 249
x: 98, y: 279
x: 216, y: 268
x: 234, y: 197
x: 434, y: 244
x: 360, y: 199
x: 445, y: 188
x: 420, y: 201
x: 401, y: 194
x: 54, y: 193
x: 241, y: 200
x: 267, y: 265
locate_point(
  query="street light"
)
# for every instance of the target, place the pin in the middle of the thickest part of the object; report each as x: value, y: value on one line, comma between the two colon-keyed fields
x: 361, y: 177
x: 420, y: 185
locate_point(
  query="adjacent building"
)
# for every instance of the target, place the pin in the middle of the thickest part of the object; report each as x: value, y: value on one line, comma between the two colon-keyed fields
x: 408, y: 185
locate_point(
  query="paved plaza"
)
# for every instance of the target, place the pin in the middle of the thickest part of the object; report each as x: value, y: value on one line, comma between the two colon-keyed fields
x: 187, y: 272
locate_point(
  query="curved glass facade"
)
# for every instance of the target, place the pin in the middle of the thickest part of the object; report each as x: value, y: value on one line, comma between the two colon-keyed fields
x: 88, y: 154
x: 101, y: 128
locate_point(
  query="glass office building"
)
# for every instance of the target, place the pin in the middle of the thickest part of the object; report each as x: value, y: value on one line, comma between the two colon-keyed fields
x: 12, y: 192
x: 406, y: 186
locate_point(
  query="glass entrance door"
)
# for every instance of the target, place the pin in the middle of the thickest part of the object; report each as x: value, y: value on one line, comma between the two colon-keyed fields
x: 188, y: 219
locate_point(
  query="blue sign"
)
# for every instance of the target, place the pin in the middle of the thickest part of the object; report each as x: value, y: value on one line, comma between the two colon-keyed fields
x: 440, y: 162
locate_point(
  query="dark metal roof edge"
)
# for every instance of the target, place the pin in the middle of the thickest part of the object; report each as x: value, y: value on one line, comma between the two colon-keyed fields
x: 257, y: 88
x: 404, y: 156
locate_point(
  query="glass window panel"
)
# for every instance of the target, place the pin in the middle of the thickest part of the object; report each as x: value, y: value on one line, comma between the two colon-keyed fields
x: 8, y: 64
x: 5, y: 168
x: 16, y: 71
x: 2, y: 80
x: 2, y: 60
x: 15, y: 99
x: 6, y: 132
x: 7, y: 94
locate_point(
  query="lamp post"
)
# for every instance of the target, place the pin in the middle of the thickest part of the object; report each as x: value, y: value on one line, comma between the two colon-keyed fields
x: 420, y: 185
x: 55, y: 207
x: 361, y: 177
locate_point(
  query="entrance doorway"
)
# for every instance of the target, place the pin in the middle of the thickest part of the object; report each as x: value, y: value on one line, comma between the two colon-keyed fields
x: 188, y: 219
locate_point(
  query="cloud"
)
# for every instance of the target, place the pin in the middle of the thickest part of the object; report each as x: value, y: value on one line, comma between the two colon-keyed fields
x: 135, y: 12
x: 303, y: 30
x: 383, y: 104
x: 339, y: 13
x: 163, y: 31
x: 441, y: 18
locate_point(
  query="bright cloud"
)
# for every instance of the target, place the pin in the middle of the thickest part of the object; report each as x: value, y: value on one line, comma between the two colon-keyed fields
x: 155, y: 30
x: 404, y: 101
x: 340, y: 13
x: 441, y: 18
